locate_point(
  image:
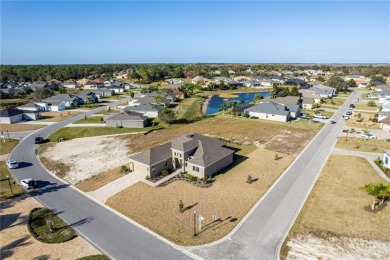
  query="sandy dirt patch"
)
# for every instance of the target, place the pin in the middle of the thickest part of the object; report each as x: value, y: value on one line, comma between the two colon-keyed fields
x: 310, y: 247
x: 17, y: 243
x: 88, y: 156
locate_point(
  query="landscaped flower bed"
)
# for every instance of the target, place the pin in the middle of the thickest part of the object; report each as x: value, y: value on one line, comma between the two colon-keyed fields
x: 49, y: 228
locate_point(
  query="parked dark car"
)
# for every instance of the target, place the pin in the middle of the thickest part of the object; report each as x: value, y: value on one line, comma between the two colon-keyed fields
x: 352, y: 105
x: 39, y: 140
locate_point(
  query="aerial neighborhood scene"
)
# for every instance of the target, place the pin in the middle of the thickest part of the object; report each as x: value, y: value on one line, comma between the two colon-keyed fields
x: 195, y: 130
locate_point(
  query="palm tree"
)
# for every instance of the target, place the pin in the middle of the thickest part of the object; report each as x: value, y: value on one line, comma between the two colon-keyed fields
x: 242, y: 101
x: 377, y: 191
x: 223, y: 107
x: 258, y: 97
x: 232, y: 104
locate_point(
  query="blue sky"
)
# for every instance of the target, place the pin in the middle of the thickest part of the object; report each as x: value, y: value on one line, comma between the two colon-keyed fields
x: 71, y: 32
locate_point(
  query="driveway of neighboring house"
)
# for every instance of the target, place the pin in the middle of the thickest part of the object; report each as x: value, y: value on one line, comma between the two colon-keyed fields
x: 370, y: 157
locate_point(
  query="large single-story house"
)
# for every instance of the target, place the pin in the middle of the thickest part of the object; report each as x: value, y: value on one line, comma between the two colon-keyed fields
x: 29, y: 106
x: 57, y: 106
x: 292, y: 103
x: 252, y: 83
x: 307, y: 103
x: 196, y: 154
x: 148, y: 110
x: 175, y: 89
x: 383, y: 96
x: 270, y: 111
x: 68, y: 99
x: 322, y: 90
x: 127, y: 119
x: 70, y: 85
x: 11, y: 115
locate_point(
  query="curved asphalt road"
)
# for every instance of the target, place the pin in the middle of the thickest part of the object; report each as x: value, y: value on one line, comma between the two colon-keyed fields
x: 112, y: 234
x: 262, y: 233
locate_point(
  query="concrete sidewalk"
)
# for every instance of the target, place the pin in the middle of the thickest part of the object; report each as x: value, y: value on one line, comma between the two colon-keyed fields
x: 370, y: 157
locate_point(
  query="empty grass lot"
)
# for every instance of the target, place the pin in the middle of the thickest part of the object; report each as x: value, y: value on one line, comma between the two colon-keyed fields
x: 352, y: 121
x: 95, y: 182
x: 7, y: 146
x: 335, y: 207
x: 362, y: 145
x: 336, y: 102
x: 19, y: 127
x: 57, y: 116
x: 276, y: 136
x: 78, y: 132
x: 107, y: 111
x: 362, y: 105
x: 230, y: 198
x: 91, y: 120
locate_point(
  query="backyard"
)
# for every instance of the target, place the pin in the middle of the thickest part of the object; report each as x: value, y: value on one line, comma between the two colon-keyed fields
x: 335, y: 211
x: 353, y: 121
x: 229, y: 198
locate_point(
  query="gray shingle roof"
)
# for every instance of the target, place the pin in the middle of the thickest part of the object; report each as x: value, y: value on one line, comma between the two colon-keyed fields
x: 29, y: 105
x: 143, y: 108
x: 127, y: 115
x: 207, y: 153
x: 10, y: 112
x: 269, y: 107
x: 61, y: 98
x: 154, y: 155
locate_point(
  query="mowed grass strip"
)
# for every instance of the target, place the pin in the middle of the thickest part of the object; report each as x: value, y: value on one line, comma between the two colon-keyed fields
x: 335, y: 207
x: 230, y: 198
x: 91, y: 120
x: 97, y: 181
x: 78, y: 132
x: 7, y: 146
x: 5, y: 190
x: 57, y: 116
x: 18, y: 127
x: 362, y: 145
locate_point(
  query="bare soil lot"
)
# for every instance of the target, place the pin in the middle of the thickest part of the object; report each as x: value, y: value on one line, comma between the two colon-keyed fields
x: 335, y: 209
x: 17, y: 243
x: 230, y: 198
x: 79, y: 159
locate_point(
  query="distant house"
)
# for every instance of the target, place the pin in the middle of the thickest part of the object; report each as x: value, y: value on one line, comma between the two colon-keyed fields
x: 323, y: 91
x: 127, y: 119
x: 270, y: 111
x: 314, y: 83
x: 309, y: 94
x: 30, y: 107
x: 279, y: 79
x: 11, y: 115
x: 292, y: 103
x: 296, y: 81
x: 175, y: 81
x: 268, y: 83
x: 101, y: 93
x: 57, y: 106
x: 70, y: 85
x: 87, y: 95
x: 37, y: 85
x: 241, y: 78
x: 82, y: 81
x: 386, y: 158
x: 363, y: 85
x: 382, y: 87
x: 307, y: 103
x: 91, y: 85
x: 383, y: 96
x: 252, y: 83
x: 196, y: 154
x: 175, y: 89
x: 147, y: 110
x: 68, y: 99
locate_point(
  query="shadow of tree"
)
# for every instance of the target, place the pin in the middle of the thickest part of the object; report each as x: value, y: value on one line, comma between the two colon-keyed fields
x: 217, y: 224
x: 10, y: 202
x: 7, y: 250
x: 82, y: 222
x: 51, y: 187
x: 189, y: 207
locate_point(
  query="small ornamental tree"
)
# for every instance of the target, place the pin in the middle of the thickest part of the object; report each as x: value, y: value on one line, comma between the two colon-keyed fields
x: 181, y: 206
x: 371, y: 103
x: 249, y: 180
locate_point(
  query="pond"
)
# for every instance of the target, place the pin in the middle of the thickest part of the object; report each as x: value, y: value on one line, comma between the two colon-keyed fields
x: 216, y: 101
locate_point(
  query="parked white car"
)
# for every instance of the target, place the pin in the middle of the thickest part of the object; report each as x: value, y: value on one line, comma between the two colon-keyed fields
x: 368, y: 136
x: 28, y: 183
x: 319, y: 116
x: 12, y: 164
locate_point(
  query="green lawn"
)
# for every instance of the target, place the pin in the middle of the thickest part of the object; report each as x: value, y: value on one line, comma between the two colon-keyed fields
x: 12, y: 102
x: 78, y: 132
x: 91, y: 120
x: 39, y: 228
x: 104, y: 111
x: 7, y: 146
x: 334, y: 102
x: 362, y: 145
x: 5, y: 190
